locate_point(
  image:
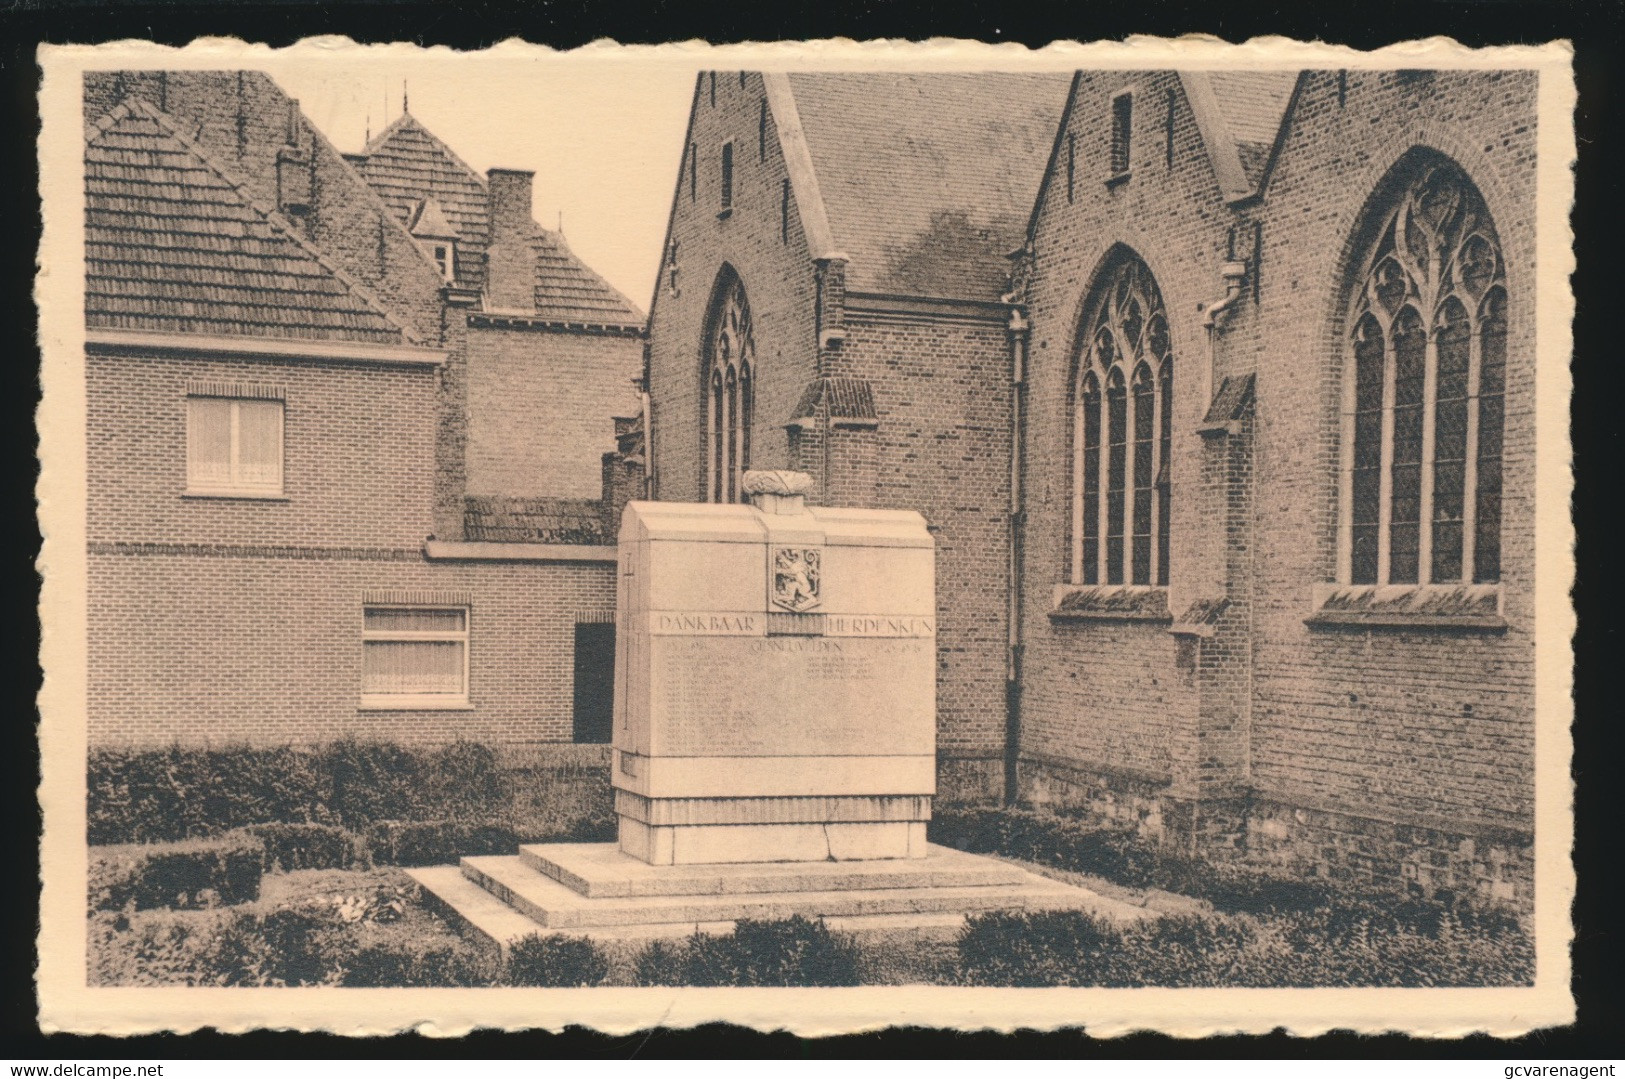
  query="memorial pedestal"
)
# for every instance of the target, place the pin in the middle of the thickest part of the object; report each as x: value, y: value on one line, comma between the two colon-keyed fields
x: 774, y: 741
x: 594, y: 889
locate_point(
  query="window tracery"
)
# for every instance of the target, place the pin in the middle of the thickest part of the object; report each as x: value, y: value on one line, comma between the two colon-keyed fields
x: 1123, y: 410
x: 1423, y: 413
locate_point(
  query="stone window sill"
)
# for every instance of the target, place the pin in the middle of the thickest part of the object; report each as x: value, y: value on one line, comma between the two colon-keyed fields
x: 1118, y: 179
x: 414, y: 704
x: 241, y: 496
x: 1416, y: 607
x: 1110, y: 603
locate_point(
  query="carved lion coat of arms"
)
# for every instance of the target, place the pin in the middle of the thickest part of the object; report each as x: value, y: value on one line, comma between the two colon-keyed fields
x: 793, y: 582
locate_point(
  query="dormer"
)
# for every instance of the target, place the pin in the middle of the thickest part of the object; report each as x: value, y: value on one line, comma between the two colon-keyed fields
x: 427, y: 223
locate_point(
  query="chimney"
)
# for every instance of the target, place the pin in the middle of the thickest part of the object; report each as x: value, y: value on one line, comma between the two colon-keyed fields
x: 510, y: 282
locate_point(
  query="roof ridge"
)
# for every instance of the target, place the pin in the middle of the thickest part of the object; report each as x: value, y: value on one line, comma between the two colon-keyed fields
x: 95, y: 129
x: 273, y: 217
x: 798, y: 162
x: 557, y: 238
x: 407, y: 118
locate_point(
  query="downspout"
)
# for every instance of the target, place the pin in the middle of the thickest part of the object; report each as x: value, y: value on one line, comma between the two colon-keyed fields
x: 648, y: 445
x: 1234, y: 273
x: 1018, y: 330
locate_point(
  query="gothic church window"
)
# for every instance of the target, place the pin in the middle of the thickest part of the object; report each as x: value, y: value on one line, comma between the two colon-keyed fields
x: 729, y: 394
x: 1423, y: 413
x: 1122, y: 415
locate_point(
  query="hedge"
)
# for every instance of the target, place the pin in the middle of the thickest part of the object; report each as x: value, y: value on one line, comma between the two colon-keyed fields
x: 175, y: 793
x: 436, y: 842
x: 555, y: 960
x: 189, y: 874
x: 785, y: 952
x: 1335, y: 947
x: 309, y: 846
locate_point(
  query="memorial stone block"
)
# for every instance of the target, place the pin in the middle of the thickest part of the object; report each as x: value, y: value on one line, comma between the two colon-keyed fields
x: 775, y: 693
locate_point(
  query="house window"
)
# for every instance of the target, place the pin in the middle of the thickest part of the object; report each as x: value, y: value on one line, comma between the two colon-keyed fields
x: 1424, y: 380
x: 444, y: 254
x: 1122, y: 421
x: 728, y: 392
x: 1122, y: 129
x: 727, y: 175
x: 233, y: 446
x: 414, y: 657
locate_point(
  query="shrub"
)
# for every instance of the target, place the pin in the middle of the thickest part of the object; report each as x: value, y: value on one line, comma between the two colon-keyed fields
x: 153, y: 948
x: 435, y: 842
x: 158, y: 795
x: 555, y: 960
x: 193, y: 873
x: 308, y: 846
x: 1337, y: 946
x: 412, y: 961
x: 788, y: 952
x: 290, y: 946
x: 173, y: 793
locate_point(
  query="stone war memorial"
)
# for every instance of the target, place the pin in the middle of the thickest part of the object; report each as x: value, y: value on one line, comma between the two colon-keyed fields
x: 774, y: 738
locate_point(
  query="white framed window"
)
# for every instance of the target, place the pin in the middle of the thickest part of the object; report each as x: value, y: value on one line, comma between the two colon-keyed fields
x: 233, y: 446
x: 414, y: 657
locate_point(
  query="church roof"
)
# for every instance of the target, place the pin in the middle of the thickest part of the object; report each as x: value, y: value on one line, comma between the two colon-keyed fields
x: 925, y: 180
x: 173, y: 243
x: 406, y: 164
x: 1240, y: 114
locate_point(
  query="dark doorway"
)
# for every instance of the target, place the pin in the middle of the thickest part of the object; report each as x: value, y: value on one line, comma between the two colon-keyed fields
x: 594, y: 681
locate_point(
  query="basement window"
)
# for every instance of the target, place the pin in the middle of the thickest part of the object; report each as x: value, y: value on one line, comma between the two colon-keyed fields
x: 1122, y: 131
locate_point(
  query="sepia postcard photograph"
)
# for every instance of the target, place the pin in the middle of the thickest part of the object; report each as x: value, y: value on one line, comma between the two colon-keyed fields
x: 820, y: 536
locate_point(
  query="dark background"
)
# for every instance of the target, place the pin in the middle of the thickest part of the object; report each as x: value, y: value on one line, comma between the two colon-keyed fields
x: 1594, y: 27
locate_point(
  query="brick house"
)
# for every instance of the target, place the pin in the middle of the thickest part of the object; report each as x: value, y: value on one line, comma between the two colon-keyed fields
x: 830, y: 302
x: 297, y: 368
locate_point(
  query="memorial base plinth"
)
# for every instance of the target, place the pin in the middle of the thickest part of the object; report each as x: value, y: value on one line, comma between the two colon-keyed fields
x: 595, y: 889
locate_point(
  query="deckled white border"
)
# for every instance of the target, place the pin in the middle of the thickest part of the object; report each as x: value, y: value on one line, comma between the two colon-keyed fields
x: 68, y: 1005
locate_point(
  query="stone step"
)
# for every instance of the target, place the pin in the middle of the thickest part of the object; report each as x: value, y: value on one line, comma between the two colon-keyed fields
x: 601, y: 870
x: 556, y: 907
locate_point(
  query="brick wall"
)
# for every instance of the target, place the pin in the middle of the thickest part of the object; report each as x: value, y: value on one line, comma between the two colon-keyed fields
x: 1433, y: 728
x: 772, y: 262
x: 357, y: 466
x: 268, y: 649
x: 541, y: 405
x: 941, y: 388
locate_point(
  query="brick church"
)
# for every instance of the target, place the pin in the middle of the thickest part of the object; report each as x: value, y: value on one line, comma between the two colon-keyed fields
x: 1216, y: 389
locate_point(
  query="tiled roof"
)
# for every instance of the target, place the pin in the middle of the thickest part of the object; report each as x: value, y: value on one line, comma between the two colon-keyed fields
x: 568, y: 290
x: 172, y: 243
x: 407, y: 164
x: 927, y: 179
